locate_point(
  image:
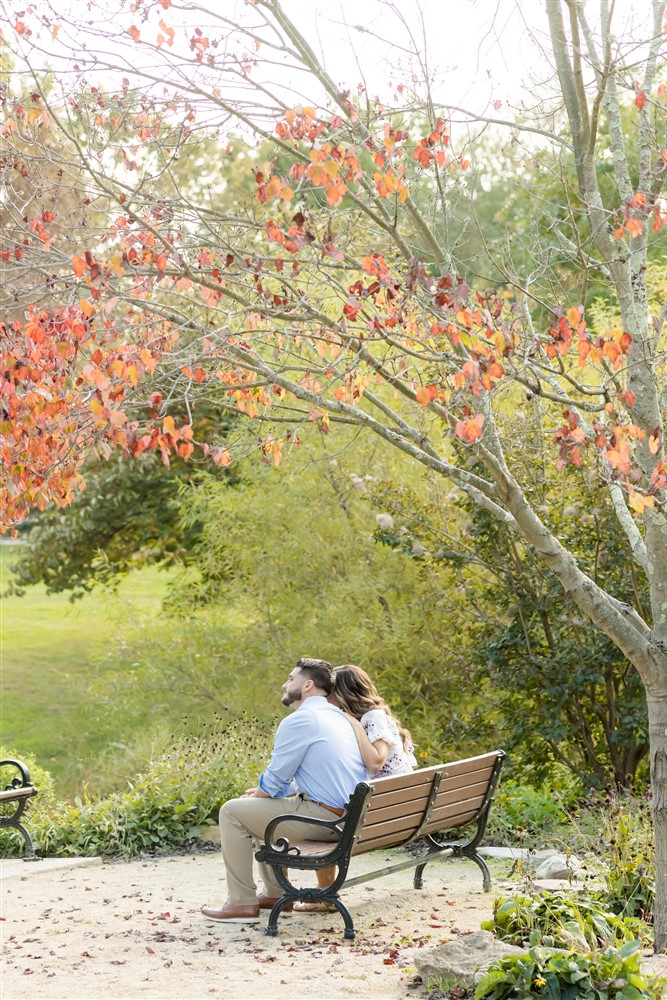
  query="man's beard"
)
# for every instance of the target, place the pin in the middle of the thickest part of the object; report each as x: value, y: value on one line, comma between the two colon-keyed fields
x: 289, y: 698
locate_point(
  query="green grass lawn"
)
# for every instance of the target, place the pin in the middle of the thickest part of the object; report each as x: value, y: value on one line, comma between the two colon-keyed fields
x: 51, y: 651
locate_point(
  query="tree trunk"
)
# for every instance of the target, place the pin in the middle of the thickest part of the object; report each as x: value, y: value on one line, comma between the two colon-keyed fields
x: 657, y: 715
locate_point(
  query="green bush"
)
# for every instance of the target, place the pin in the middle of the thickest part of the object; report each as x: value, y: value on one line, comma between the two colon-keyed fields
x: 162, y: 809
x: 612, y: 974
x: 555, y: 920
x: 525, y: 814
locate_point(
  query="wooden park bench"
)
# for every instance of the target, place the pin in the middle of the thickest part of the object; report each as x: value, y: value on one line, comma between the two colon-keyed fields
x: 18, y: 791
x: 389, y: 812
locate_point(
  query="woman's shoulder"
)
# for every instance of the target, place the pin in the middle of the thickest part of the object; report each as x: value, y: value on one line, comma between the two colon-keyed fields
x: 376, y: 714
x: 381, y: 723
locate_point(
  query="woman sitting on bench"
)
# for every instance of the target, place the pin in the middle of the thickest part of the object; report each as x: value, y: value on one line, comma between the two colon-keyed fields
x: 386, y: 746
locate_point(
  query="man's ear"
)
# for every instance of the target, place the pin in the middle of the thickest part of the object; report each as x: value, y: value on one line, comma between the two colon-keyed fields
x: 308, y: 684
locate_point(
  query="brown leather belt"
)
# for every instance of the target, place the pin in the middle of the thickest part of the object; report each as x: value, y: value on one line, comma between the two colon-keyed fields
x: 332, y: 809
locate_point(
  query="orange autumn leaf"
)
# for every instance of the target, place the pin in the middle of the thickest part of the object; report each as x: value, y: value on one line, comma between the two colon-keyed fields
x: 78, y: 266
x: 619, y: 457
x: 470, y: 430
x: 639, y: 502
x: 426, y: 394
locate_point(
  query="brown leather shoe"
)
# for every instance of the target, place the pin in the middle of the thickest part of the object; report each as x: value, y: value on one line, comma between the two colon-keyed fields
x: 232, y: 914
x: 268, y: 902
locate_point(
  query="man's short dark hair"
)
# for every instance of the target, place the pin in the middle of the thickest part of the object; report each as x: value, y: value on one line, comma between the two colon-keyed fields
x: 319, y: 671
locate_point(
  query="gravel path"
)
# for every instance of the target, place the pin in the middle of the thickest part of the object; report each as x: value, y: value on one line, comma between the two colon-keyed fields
x: 125, y: 930
x: 133, y: 929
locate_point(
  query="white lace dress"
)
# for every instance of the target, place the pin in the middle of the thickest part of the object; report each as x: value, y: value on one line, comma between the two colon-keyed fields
x: 380, y: 726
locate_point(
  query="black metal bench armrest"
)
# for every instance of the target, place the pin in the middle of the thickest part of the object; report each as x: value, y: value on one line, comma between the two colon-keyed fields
x: 345, y: 827
x: 24, y: 780
x: 272, y: 851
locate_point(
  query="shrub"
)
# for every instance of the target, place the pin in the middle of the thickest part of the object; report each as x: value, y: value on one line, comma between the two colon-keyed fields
x: 555, y: 920
x: 163, y: 808
x: 628, y: 856
x: 612, y: 974
x: 525, y: 813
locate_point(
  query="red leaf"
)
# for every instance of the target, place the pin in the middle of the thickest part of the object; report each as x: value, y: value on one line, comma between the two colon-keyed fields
x: 624, y: 342
x: 426, y: 394
x: 640, y: 99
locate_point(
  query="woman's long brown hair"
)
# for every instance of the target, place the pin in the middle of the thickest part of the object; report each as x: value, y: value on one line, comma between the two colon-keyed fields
x: 357, y: 695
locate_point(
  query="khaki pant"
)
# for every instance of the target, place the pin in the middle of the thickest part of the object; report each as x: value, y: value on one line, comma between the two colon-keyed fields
x: 243, y: 822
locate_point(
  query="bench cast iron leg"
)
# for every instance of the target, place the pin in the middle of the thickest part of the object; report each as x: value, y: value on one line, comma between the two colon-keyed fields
x: 272, y: 926
x: 345, y: 914
x: 12, y: 823
x: 29, y: 849
x: 481, y: 863
x: 418, y: 881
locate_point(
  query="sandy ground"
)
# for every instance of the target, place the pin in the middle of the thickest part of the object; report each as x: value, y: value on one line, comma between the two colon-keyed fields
x: 107, y: 931
x: 133, y: 929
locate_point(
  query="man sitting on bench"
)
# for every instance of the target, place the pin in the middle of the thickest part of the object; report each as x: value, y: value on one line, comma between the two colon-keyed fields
x: 315, y: 755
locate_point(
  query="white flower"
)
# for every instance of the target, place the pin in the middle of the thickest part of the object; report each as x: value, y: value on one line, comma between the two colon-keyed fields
x: 385, y: 521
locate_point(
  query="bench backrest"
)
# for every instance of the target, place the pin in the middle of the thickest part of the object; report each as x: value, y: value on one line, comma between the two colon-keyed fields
x: 406, y: 806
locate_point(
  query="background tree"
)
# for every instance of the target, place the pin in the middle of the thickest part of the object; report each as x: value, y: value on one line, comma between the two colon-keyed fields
x: 334, y: 299
x: 127, y: 516
x: 553, y: 688
x: 265, y: 586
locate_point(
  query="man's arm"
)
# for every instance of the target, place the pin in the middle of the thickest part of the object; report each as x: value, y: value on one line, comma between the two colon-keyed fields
x: 293, y: 737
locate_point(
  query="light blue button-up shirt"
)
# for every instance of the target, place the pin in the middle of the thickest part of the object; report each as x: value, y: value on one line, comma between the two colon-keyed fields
x: 316, y: 750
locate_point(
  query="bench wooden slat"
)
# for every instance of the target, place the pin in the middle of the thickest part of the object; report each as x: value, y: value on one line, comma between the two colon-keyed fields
x: 383, y: 793
x: 450, y: 814
x: 466, y: 812
x: 391, y: 840
x: 446, y: 812
x: 311, y: 848
x: 387, y: 806
x: 485, y: 762
x: 8, y: 794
